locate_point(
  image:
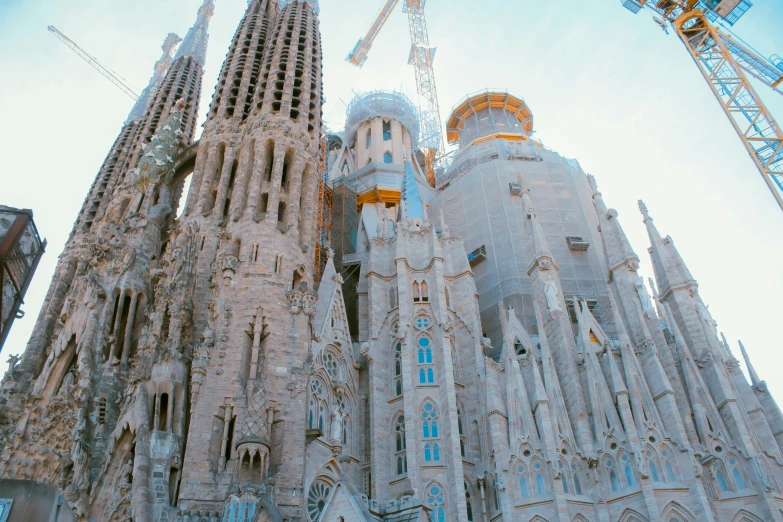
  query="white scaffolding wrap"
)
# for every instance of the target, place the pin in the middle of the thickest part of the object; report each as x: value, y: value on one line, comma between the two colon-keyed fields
x: 479, y: 207
x: 389, y: 104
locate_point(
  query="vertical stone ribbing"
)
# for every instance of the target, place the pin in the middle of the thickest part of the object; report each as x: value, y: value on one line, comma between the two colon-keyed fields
x: 239, y: 74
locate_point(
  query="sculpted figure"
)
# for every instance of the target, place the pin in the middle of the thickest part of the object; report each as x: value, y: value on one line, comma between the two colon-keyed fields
x: 550, y: 291
x: 337, y: 424
x: 644, y: 296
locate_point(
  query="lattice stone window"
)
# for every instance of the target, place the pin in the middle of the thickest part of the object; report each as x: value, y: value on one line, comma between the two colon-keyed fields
x: 317, y: 498
x: 422, y: 322
x: 332, y: 366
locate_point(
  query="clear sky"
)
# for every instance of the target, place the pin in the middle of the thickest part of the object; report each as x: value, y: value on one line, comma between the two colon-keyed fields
x: 606, y: 87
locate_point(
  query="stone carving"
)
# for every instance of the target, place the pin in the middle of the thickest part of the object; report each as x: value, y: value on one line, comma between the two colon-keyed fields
x: 644, y: 298
x: 552, y: 297
x: 762, y: 474
x: 337, y: 425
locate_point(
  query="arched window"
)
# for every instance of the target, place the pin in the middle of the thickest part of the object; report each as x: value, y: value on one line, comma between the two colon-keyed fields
x: 429, y: 425
x: 369, y: 139
x: 461, y: 429
x: 317, y: 414
x: 317, y: 499
x: 435, y: 501
x: 612, y: 475
x: 400, y: 445
x: 397, y: 370
x: 563, y: 476
x: 628, y: 471
x: 426, y: 370
x: 387, y: 158
x: 425, y: 296
x: 654, y: 472
x: 540, y: 484
x: 721, y: 479
x: 523, y: 488
x: 468, y: 502
x: 416, y: 292
x: 654, y: 475
x: 670, y: 475
x: 738, y: 477
x: 387, y: 130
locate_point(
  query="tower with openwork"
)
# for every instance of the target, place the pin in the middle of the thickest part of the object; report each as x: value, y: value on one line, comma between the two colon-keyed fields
x: 480, y: 350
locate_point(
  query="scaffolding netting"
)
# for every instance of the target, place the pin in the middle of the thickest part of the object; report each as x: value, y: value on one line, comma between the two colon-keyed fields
x: 389, y: 104
x: 479, y: 206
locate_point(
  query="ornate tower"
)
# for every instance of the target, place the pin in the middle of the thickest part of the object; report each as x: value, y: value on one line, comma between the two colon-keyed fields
x: 253, y: 200
x: 89, y: 379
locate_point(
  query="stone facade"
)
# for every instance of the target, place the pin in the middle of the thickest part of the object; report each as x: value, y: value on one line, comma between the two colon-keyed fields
x: 484, y: 350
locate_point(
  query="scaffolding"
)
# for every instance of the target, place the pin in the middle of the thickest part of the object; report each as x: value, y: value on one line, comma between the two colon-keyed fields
x: 389, y: 104
x: 323, y: 226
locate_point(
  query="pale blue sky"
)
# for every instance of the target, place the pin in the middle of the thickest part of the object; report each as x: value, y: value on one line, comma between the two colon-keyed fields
x: 606, y: 87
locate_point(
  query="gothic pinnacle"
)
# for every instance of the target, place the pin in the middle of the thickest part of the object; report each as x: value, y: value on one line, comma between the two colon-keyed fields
x: 195, y: 43
x: 754, y: 377
x: 161, y: 66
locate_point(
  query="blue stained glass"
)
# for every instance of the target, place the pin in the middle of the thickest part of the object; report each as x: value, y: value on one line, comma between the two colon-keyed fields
x: 421, y: 356
x: 738, y: 479
x: 614, y: 481
x: 721, y: 481
x: 629, y: 475
x: 424, y: 342
x: 435, y: 452
x: 523, y: 487
x: 428, y: 354
x: 427, y: 453
x: 654, y: 472
x: 434, y: 430
x: 540, y: 484
x: 670, y: 471
x: 422, y: 376
x: 430, y: 376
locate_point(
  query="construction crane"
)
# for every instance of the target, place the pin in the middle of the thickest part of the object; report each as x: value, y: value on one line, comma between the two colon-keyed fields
x: 97, y: 65
x: 725, y: 62
x: 421, y: 57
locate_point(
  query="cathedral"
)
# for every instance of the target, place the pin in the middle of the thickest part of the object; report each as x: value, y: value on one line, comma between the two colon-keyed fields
x: 481, y: 348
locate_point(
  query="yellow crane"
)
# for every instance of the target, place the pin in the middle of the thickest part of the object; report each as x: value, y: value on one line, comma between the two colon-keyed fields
x: 725, y: 62
x: 421, y: 57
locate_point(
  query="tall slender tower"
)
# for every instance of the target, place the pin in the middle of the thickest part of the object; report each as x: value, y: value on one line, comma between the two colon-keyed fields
x: 253, y: 199
x: 87, y: 368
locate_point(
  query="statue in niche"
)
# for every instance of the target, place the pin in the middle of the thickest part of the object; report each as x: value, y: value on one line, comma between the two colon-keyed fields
x: 644, y: 297
x: 552, y: 298
x: 337, y: 424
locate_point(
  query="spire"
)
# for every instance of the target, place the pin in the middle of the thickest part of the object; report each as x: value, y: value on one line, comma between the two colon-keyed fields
x: 414, y: 208
x: 195, y: 43
x: 161, y: 66
x: 668, y: 265
x: 618, y: 249
x: 754, y: 377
